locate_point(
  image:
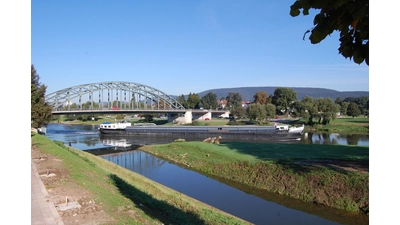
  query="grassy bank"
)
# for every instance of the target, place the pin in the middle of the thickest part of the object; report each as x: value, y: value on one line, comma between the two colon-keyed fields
x: 118, y: 188
x: 298, y: 171
x: 345, y: 125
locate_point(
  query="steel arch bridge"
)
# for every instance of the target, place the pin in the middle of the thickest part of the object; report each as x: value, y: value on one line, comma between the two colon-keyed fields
x: 112, y: 95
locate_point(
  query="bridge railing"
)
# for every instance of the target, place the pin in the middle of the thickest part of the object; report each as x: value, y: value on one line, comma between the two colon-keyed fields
x: 133, y: 109
x: 111, y: 109
x: 61, y: 111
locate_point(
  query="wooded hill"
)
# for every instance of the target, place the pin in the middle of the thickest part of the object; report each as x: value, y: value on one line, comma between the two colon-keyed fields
x: 248, y: 93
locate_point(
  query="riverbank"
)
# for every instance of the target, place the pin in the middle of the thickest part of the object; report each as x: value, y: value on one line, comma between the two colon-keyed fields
x: 109, y: 194
x: 331, y: 175
x: 345, y: 125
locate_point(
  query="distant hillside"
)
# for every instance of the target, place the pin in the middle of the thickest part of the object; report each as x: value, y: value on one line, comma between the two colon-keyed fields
x: 247, y: 93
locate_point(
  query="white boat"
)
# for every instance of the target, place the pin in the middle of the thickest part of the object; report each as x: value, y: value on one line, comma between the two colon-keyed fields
x: 288, y: 128
x: 115, y: 126
x: 296, y: 129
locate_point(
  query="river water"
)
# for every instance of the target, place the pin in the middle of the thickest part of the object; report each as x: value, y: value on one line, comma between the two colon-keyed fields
x: 255, y: 206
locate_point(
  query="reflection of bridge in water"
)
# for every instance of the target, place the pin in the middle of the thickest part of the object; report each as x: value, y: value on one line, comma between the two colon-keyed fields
x: 118, y: 97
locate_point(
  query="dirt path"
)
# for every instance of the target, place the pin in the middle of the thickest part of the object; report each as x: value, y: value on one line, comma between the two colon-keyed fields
x: 353, y: 166
x: 74, y: 203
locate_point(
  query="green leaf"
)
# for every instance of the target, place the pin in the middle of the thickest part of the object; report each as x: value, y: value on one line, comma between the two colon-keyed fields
x: 318, y: 18
x: 316, y: 36
x: 358, y: 59
x: 364, y: 33
x: 294, y: 12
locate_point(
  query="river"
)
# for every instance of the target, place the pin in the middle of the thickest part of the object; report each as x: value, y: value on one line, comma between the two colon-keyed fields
x: 249, y: 204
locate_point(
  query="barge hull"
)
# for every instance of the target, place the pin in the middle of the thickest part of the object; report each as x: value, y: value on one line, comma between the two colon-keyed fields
x: 226, y: 133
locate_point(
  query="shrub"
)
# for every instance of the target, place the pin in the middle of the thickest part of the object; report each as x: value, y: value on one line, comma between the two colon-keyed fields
x: 234, y: 122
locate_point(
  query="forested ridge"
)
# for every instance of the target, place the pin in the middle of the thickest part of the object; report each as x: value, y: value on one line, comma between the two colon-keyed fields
x: 248, y: 93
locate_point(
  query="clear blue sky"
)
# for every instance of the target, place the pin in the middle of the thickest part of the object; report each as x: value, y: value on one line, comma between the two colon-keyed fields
x: 182, y: 47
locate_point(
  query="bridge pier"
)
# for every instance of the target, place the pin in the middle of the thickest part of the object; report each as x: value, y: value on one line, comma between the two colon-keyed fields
x: 172, y: 116
x: 202, y: 116
x: 189, y: 116
x: 175, y: 118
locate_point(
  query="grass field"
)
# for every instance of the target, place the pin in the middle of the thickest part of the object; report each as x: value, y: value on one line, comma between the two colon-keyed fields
x: 279, y: 168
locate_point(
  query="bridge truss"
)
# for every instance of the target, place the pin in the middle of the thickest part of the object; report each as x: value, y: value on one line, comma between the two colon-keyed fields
x: 111, y: 95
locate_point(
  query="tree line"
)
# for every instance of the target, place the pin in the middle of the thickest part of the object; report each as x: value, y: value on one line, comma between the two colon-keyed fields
x: 282, y: 102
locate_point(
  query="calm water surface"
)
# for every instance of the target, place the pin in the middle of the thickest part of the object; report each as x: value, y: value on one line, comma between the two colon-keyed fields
x: 251, y: 205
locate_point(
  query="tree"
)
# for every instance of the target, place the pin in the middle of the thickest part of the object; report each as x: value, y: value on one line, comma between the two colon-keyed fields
x: 240, y: 112
x: 161, y: 104
x: 181, y: 99
x: 324, y: 109
x: 192, y: 101
x: 366, y: 113
x: 40, y: 110
x: 88, y: 105
x: 256, y: 112
x: 73, y: 106
x: 283, y: 99
x: 269, y: 99
x: 261, y: 97
x: 350, y: 99
x: 87, y: 117
x: 349, y: 17
x: 343, y: 108
x: 305, y: 109
x: 234, y: 101
x: 209, y: 101
x: 353, y: 110
x: 339, y: 100
x: 327, y: 110
x: 148, y: 117
x: 270, y: 110
x: 361, y: 102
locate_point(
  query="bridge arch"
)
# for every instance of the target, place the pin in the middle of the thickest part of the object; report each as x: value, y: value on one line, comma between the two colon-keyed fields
x: 120, y: 94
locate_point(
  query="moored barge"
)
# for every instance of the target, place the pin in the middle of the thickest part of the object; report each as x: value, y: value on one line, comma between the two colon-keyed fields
x: 246, y: 132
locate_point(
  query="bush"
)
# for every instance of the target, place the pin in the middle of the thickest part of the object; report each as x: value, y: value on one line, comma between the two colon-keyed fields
x: 234, y: 122
x: 119, y: 116
x: 251, y: 122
